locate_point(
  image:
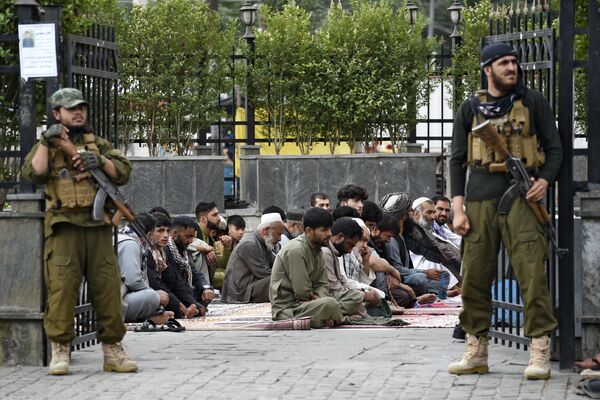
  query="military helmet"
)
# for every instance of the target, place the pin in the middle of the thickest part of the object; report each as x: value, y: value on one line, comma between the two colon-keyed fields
x: 67, y: 98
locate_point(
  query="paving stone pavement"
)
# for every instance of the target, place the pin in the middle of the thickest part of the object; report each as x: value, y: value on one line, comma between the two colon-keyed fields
x: 362, y: 364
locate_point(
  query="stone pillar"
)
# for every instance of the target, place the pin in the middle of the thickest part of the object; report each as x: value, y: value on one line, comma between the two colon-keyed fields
x: 203, y: 150
x: 250, y: 150
x: 411, y: 148
x: 22, y: 293
x: 590, y: 274
x: 446, y: 177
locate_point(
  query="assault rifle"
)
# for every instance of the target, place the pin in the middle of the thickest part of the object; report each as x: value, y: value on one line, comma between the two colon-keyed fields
x: 105, y: 190
x: 521, y: 182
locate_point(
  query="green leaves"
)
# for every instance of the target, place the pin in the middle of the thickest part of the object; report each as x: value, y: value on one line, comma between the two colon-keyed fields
x: 174, y: 65
x: 364, y: 72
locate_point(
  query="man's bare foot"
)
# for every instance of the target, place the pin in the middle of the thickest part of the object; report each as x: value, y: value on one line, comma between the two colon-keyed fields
x: 329, y: 323
x: 427, y: 298
x: 162, y: 318
x: 396, y: 310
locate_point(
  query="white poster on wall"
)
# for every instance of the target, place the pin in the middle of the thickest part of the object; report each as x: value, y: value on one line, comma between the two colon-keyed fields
x: 37, y: 51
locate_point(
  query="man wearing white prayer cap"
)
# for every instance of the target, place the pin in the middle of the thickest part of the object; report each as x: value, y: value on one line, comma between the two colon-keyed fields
x: 248, y: 271
x: 420, y: 201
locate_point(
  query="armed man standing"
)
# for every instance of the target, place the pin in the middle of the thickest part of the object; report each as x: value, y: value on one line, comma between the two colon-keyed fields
x: 493, y: 213
x: 76, y: 245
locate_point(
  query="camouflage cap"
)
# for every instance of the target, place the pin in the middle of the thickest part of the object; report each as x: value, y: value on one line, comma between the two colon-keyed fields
x: 67, y: 98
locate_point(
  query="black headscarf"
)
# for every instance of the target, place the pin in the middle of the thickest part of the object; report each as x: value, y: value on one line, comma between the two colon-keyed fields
x: 503, y: 105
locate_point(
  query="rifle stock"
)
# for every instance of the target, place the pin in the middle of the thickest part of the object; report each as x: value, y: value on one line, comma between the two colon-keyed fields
x: 486, y: 132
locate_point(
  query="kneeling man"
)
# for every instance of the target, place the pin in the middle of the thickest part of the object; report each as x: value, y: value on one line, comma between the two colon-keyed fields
x: 248, y: 271
x: 299, y: 283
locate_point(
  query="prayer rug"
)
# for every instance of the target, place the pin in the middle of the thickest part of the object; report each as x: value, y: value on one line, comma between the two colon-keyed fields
x: 252, y: 317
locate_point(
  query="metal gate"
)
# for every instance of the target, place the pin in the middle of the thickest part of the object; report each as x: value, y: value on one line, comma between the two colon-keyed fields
x: 91, y: 65
x: 532, y: 35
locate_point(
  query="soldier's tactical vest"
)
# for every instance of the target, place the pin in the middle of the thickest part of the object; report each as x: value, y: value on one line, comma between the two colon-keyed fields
x: 515, y: 129
x: 69, y: 189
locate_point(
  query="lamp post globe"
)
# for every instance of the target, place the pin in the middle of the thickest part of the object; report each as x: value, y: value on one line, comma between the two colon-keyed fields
x: 455, y: 15
x: 248, y: 12
x: 411, y: 12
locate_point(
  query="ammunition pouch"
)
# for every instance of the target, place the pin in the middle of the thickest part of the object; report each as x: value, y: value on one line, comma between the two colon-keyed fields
x: 515, y: 130
x: 68, y: 188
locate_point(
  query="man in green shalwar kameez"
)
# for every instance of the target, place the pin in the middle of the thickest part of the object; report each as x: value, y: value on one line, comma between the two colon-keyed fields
x: 299, y: 285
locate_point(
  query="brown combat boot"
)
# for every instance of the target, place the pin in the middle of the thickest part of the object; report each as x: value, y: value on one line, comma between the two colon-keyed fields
x: 115, y: 359
x: 474, y: 361
x: 59, y: 365
x: 539, y: 359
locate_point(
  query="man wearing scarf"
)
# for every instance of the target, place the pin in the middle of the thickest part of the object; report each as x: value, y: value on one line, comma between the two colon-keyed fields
x: 526, y: 121
x: 165, y: 276
x: 182, y: 234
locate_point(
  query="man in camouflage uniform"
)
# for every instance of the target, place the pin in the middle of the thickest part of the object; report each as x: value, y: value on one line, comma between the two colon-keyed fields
x: 525, y: 121
x: 76, y: 246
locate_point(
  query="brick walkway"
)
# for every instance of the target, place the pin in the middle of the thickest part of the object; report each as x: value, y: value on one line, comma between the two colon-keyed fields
x: 317, y: 364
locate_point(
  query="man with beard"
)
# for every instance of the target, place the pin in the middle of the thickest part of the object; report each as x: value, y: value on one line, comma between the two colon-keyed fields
x: 299, y: 285
x: 76, y: 245
x: 248, y: 272
x: 183, y: 233
x: 345, y: 234
x: 386, y: 240
x: 525, y: 120
x: 293, y: 226
x: 442, y: 215
x: 439, y: 277
x: 213, y: 254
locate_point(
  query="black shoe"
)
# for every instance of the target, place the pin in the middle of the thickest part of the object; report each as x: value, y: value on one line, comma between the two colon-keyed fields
x: 458, y: 332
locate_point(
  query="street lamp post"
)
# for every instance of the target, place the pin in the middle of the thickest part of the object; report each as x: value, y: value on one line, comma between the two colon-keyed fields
x: 248, y: 15
x: 411, y: 15
x: 456, y: 15
x: 411, y: 12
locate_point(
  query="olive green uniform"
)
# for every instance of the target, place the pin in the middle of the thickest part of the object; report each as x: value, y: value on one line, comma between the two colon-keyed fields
x: 77, y: 246
x: 299, y: 271
x: 520, y: 232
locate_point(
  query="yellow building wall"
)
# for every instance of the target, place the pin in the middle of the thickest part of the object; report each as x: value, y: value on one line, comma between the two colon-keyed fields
x: 287, y: 149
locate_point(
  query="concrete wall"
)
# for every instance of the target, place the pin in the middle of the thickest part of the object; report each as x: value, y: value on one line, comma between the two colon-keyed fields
x: 590, y: 274
x: 22, y: 340
x: 175, y: 183
x: 288, y: 181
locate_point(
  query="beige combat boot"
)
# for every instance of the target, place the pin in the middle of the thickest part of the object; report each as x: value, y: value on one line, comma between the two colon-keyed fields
x: 59, y: 365
x: 539, y: 359
x: 474, y: 361
x: 115, y: 359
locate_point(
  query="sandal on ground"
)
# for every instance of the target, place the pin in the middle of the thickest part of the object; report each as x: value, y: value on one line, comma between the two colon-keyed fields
x: 172, y: 326
x: 146, y: 326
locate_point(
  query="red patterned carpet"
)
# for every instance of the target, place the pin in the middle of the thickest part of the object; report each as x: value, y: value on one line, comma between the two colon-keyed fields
x: 236, y: 317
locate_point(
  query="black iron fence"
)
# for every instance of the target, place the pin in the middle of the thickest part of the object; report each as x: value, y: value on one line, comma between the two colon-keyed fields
x: 533, y: 37
x: 90, y: 63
